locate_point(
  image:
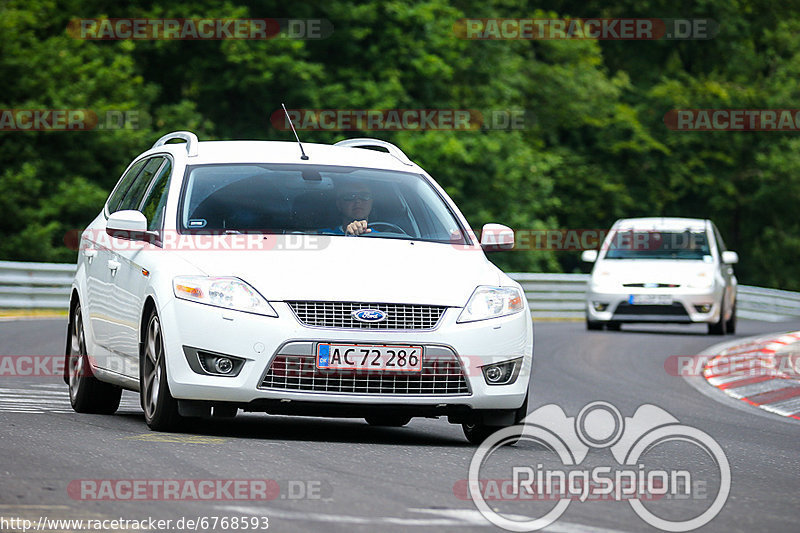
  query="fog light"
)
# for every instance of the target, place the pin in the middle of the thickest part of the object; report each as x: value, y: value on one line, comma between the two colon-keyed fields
x: 599, y: 306
x: 213, y: 364
x: 703, y: 308
x: 223, y: 365
x: 502, y: 373
x: 494, y: 374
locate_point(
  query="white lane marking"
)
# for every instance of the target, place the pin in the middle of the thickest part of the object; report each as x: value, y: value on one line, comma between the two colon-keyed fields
x: 342, y: 519
x: 449, y: 517
x: 37, y: 401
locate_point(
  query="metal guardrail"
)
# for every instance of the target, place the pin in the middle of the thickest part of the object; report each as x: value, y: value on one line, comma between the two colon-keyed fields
x: 46, y: 286
x: 563, y: 296
x: 35, y: 285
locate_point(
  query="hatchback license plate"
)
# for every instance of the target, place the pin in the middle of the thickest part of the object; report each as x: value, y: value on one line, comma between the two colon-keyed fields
x: 380, y: 357
x: 650, y: 299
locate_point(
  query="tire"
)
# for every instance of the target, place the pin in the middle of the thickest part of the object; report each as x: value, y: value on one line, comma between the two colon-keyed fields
x: 87, y: 394
x: 730, y: 325
x: 160, y: 408
x: 477, y: 433
x: 591, y: 325
x: 718, y: 327
x: 613, y: 326
x: 389, y: 421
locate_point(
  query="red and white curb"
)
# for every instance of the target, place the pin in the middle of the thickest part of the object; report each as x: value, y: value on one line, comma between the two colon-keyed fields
x: 764, y: 372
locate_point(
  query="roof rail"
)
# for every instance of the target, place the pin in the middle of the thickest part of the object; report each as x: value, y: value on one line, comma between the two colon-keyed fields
x: 188, y: 136
x: 365, y: 142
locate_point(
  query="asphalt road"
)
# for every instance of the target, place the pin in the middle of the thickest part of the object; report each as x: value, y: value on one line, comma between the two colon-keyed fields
x: 362, y: 478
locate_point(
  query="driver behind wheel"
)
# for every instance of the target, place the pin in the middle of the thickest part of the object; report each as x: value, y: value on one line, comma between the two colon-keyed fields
x: 354, y: 202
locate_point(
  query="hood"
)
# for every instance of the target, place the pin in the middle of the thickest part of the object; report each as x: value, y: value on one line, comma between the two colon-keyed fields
x: 668, y: 271
x: 362, y: 269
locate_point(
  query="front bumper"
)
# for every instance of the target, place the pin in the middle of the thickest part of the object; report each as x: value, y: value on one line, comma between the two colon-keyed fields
x: 688, y: 305
x: 258, y: 339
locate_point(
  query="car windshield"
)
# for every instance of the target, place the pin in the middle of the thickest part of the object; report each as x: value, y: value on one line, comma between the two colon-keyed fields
x: 306, y: 199
x: 635, y: 244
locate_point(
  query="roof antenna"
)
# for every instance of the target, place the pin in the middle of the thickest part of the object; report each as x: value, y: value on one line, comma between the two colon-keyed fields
x: 304, y: 157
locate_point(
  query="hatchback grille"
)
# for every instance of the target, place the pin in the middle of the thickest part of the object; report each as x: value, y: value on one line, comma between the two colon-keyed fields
x: 441, y: 375
x: 676, y: 309
x: 339, y: 315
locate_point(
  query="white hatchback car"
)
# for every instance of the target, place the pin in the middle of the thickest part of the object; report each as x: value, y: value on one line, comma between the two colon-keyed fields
x: 237, y: 275
x: 674, y: 270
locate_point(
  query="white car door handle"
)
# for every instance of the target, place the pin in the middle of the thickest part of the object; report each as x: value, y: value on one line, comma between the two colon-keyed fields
x: 113, y: 265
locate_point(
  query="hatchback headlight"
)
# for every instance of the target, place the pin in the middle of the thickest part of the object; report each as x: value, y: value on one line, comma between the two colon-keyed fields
x: 228, y: 293
x: 702, y: 281
x: 603, y: 281
x: 492, y: 302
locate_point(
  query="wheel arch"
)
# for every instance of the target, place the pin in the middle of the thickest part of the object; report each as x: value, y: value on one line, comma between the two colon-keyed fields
x: 147, y: 309
x: 74, y: 300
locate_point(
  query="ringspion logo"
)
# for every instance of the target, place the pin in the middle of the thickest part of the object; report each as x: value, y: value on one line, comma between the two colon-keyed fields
x: 653, y: 465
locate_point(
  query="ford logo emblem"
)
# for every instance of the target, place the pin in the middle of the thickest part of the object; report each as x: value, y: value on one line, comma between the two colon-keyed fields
x: 369, y: 315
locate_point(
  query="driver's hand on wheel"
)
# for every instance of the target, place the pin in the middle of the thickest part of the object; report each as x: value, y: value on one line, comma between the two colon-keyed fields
x: 357, y: 227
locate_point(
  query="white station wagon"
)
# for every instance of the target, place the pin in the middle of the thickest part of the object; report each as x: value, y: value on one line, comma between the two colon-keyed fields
x: 324, y: 280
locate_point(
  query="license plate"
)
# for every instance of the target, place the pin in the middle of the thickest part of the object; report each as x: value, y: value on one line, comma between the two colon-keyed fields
x: 380, y: 357
x: 650, y: 299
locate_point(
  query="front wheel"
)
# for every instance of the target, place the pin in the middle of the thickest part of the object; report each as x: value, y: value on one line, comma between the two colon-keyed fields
x: 87, y: 394
x: 730, y: 325
x: 593, y: 325
x: 477, y: 433
x: 160, y: 408
x: 718, y: 327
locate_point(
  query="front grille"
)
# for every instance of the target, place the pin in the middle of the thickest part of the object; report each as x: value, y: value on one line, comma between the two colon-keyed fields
x: 676, y: 309
x: 441, y: 375
x: 339, y: 315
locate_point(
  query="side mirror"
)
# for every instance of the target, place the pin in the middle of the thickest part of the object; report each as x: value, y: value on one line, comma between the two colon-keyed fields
x: 128, y: 224
x: 730, y: 258
x: 590, y: 256
x: 496, y: 237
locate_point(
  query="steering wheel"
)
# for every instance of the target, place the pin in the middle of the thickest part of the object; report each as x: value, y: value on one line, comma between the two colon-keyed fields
x: 389, y: 227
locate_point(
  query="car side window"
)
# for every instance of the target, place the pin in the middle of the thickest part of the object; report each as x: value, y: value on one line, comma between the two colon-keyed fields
x: 124, y: 184
x: 133, y: 198
x: 156, y: 200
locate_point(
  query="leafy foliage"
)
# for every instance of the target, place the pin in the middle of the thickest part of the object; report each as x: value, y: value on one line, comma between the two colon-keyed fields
x: 597, y: 150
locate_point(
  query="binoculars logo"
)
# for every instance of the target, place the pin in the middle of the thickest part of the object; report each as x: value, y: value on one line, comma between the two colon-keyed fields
x: 629, y: 439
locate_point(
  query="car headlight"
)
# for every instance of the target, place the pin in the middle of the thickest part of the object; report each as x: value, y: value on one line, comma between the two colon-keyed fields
x: 492, y: 302
x: 228, y: 293
x: 702, y: 281
x: 603, y: 280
